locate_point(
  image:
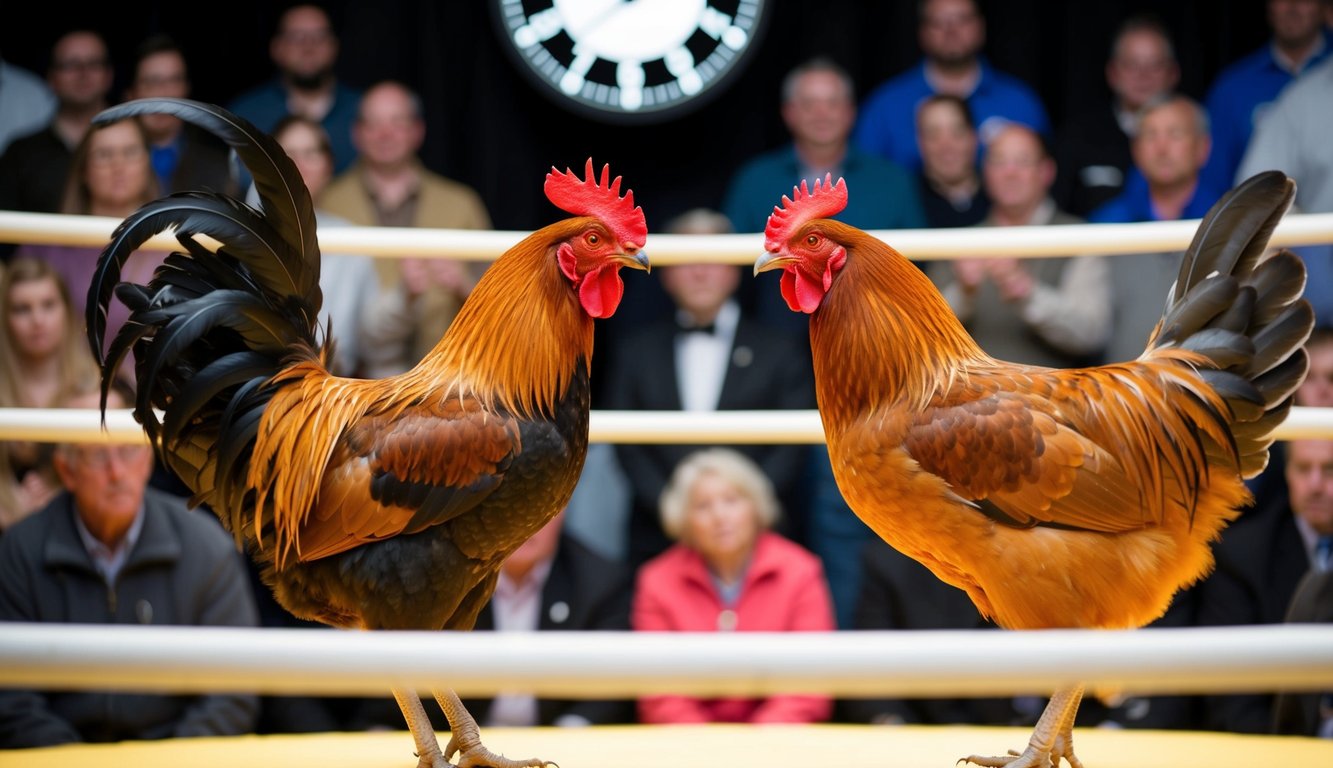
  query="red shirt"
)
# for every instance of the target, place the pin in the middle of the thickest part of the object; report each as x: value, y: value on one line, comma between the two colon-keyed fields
x: 784, y: 590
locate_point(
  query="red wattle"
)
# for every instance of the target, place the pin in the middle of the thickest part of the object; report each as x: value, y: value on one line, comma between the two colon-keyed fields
x: 601, y: 291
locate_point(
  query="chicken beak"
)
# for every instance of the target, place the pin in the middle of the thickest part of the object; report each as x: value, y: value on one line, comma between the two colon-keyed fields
x: 635, y: 259
x: 771, y: 260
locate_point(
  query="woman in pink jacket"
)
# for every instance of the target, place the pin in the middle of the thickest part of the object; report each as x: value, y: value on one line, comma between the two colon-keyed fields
x: 728, y: 572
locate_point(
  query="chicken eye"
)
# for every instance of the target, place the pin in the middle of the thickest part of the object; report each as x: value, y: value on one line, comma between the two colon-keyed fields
x: 812, y: 240
x: 593, y: 239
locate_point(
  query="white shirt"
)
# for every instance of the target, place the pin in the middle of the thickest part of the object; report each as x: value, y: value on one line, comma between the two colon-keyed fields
x: 701, y: 361
x: 517, y: 607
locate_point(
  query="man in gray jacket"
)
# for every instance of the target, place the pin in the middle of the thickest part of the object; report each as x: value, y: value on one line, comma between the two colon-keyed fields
x: 111, y: 550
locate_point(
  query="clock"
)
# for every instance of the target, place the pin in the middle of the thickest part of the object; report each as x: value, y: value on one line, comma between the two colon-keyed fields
x: 631, y: 61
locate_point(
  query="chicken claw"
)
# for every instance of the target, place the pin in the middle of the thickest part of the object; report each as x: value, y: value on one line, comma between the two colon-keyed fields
x: 1052, y: 739
x: 465, y: 739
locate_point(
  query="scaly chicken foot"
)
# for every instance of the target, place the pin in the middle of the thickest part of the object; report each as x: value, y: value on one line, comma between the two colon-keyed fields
x: 1052, y: 739
x: 465, y: 739
x: 428, y: 748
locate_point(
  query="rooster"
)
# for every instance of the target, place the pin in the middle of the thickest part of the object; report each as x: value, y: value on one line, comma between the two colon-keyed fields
x: 375, y: 504
x: 1079, y: 498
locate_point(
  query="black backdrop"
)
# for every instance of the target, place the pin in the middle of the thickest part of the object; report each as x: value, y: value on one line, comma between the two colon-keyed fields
x: 488, y: 127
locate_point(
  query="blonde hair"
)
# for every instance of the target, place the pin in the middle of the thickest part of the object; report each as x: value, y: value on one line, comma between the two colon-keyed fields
x: 730, y: 465
x: 77, y: 367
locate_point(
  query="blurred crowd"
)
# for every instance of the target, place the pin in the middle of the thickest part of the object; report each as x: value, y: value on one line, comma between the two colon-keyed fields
x: 661, y: 537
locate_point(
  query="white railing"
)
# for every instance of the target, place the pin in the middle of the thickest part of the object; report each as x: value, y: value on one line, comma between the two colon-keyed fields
x: 922, y: 244
x: 1292, y: 657
x: 55, y: 425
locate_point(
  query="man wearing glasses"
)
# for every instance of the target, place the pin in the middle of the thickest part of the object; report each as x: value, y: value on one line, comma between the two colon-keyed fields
x: 111, y: 550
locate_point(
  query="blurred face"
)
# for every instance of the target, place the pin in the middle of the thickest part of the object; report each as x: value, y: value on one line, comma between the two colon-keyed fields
x: 951, y: 32
x: 119, y: 167
x: 1310, y: 482
x: 1295, y: 22
x: 1169, y: 148
x: 721, y: 522
x: 304, y: 47
x: 388, y: 130
x: 820, y: 110
x: 303, y: 145
x: 948, y: 143
x: 1317, y: 389
x: 80, y: 73
x: 160, y: 74
x: 107, y: 481
x: 700, y: 289
x: 37, y: 319
x: 1017, y: 173
x: 1141, y: 69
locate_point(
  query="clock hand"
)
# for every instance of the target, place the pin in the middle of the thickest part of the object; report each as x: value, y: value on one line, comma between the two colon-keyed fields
x: 582, y: 22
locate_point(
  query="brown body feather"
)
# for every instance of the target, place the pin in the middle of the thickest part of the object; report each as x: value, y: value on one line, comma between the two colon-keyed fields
x: 322, y: 437
x: 1054, y: 498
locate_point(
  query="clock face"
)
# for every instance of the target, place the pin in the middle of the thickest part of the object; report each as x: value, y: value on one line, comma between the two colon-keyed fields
x: 632, y: 61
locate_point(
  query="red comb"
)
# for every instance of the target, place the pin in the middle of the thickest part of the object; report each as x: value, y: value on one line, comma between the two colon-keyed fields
x: 802, y: 206
x: 587, y: 197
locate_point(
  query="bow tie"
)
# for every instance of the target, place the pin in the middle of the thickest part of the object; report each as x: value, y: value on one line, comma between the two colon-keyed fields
x: 708, y: 328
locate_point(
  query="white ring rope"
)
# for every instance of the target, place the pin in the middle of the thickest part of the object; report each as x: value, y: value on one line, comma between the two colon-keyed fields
x: 918, y: 244
x: 1292, y: 657
x: 55, y: 425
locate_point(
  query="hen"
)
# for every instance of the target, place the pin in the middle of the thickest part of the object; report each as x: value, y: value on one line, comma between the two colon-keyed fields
x: 1055, y: 498
x: 376, y: 504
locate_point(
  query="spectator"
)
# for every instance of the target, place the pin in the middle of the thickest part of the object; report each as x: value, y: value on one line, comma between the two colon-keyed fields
x: 1310, y: 713
x: 1053, y: 312
x: 110, y: 175
x: 26, y: 103
x: 34, y: 167
x: 184, y: 157
x: 729, y: 572
x: 304, y: 49
x: 949, y: 183
x: 110, y: 550
x: 1093, y: 155
x: 1261, y: 559
x: 819, y: 109
x: 1169, y: 149
x: 710, y: 356
x: 1317, y: 388
x: 550, y: 583
x: 349, y: 282
x: 1289, y: 139
x: 1241, y: 93
x: 389, y: 186
x: 43, y: 360
x: 951, y: 34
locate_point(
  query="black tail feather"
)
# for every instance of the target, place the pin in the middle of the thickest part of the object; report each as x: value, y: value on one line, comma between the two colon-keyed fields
x: 1243, y: 312
x: 220, y: 317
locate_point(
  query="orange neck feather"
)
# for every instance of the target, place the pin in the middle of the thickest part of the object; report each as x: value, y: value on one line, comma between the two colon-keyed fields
x: 518, y: 339
x: 884, y: 334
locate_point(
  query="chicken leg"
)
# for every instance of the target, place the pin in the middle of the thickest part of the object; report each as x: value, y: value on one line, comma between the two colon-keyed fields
x: 1052, y: 739
x: 465, y: 739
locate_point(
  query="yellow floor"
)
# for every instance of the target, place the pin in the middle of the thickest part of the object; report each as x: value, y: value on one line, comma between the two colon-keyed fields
x: 843, y: 746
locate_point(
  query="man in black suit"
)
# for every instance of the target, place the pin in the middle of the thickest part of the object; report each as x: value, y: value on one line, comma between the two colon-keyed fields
x: 1261, y: 560
x: 1308, y: 713
x: 708, y: 356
